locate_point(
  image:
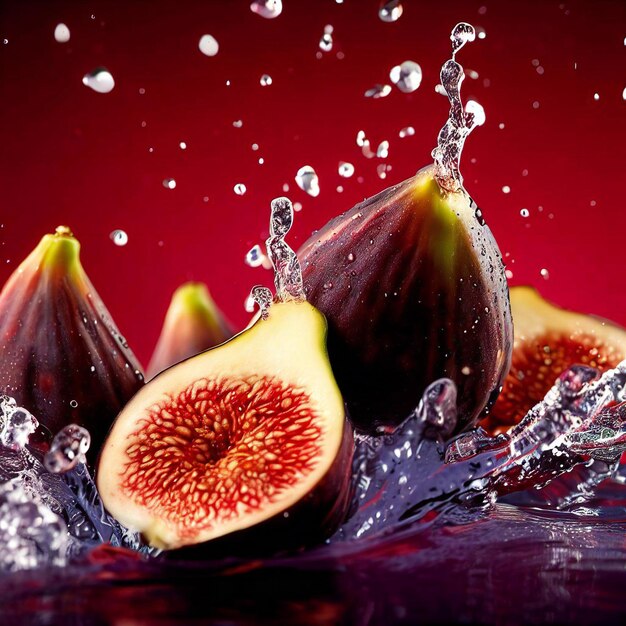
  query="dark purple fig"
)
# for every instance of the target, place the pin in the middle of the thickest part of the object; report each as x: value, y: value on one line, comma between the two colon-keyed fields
x: 193, y: 324
x: 61, y: 355
x: 413, y: 286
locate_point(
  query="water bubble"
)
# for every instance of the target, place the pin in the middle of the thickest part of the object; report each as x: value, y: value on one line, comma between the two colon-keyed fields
x: 208, y: 45
x: 266, y: 80
x: 119, y: 237
x: 506, y: 189
x: 268, y: 9
x: 346, y: 170
x: 524, y: 212
x: 536, y: 104
x: 407, y: 131
x: 68, y: 449
x: 326, y: 41
x: 169, y: 183
x: 382, y: 152
x: 390, y: 11
x: 240, y: 189
x: 99, y: 80
x: 307, y: 180
x: 61, y: 33
x: 407, y: 77
x: 378, y: 91
x: 73, y: 403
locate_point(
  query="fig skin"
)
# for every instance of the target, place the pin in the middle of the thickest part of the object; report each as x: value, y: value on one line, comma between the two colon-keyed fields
x: 193, y: 323
x: 548, y: 340
x: 213, y: 452
x: 413, y: 286
x: 61, y: 355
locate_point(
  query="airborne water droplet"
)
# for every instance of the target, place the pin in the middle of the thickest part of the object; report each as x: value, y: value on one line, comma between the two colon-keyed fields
x: 255, y: 256
x: 407, y: 77
x: 326, y: 41
x: 119, y: 237
x: 61, y: 33
x: 268, y: 9
x: 461, y: 34
x: 169, y: 183
x: 390, y: 11
x: 240, y: 189
x: 307, y: 180
x: 524, y: 212
x: 382, y: 152
x: 407, y: 131
x: 68, y: 449
x: 378, y: 91
x: 477, y: 111
x: 266, y: 80
x: 100, y: 80
x: 208, y: 45
x: 346, y: 170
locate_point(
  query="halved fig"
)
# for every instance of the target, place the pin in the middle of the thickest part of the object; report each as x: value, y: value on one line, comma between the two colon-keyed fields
x: 549, y: 339
x: 61, y: 355
x: 246, y: 442
x: 413, y: 286
x: 193, y: 323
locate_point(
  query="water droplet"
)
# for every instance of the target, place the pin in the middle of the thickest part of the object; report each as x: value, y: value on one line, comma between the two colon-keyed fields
x: 297, y: 207
x: 307, y: 180
x: 476, y: 110
x: 5, y: 41
x: 440, y: 90
x: 99, y: 80
x: 624, y: 94
x: 346, y: 170
x: 473, y: 74
x: 68, y: 449
x: 466, y: 371
x: 524, y: 212
x: 62, y: 33
x: 268, y: 9
x: 169, y: 183
x: 407, y: 131
x: 119, y: 237
x: 544, y: 273
x: 266, y: 80
x: 255, y: 256
x: 382, y: 170
x: 407, y: 77
x: 208, y: 45
x: 19, y: 425
x: 509, y: 274
x: 596, y: 96
x: 461, y: 34
x: 351, y: 257
x: 506, y: 189
x: 382, y: 152
x: 390, y: 11
x: 238, y: 123
x: 240, y: 189
x: 378, y: 91
x: 360, y: 138
x: 73, y: 404
x: 326, y: 41
x: 182, y: 145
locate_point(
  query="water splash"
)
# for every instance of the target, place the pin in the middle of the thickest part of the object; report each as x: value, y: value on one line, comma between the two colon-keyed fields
x: 262, y: 297
x: 17, y: 424
x: 461, y: 122
x: 68, y: 449
x: 288, y: 274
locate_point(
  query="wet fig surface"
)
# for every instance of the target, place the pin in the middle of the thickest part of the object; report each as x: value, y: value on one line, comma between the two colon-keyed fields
x: 61, y: 355
x: 413, y: 287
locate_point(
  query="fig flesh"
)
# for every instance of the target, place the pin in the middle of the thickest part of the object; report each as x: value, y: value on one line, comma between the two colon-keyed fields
x: 193, y: 323
x: 61, y: 355
x: 246, y: 443
x: 413, y: 287
x: 548, y: 340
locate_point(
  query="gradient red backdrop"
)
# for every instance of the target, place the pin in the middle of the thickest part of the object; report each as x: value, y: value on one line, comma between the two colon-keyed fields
x: 97, y: 161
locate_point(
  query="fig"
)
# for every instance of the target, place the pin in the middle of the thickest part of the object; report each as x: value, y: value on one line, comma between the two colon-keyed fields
x: 548, y: 340
x: 413, y: 286
x: 245, y: 445
x: 61, y: 355
x: 193, y: 323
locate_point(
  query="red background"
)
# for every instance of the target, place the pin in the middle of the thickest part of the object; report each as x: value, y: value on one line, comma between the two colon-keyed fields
x: 73, y: 156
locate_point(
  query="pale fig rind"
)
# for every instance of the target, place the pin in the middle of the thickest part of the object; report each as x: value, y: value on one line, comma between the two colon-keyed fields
x: 193, y: 323
x: 61, y: 355
x: 413, y: 286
